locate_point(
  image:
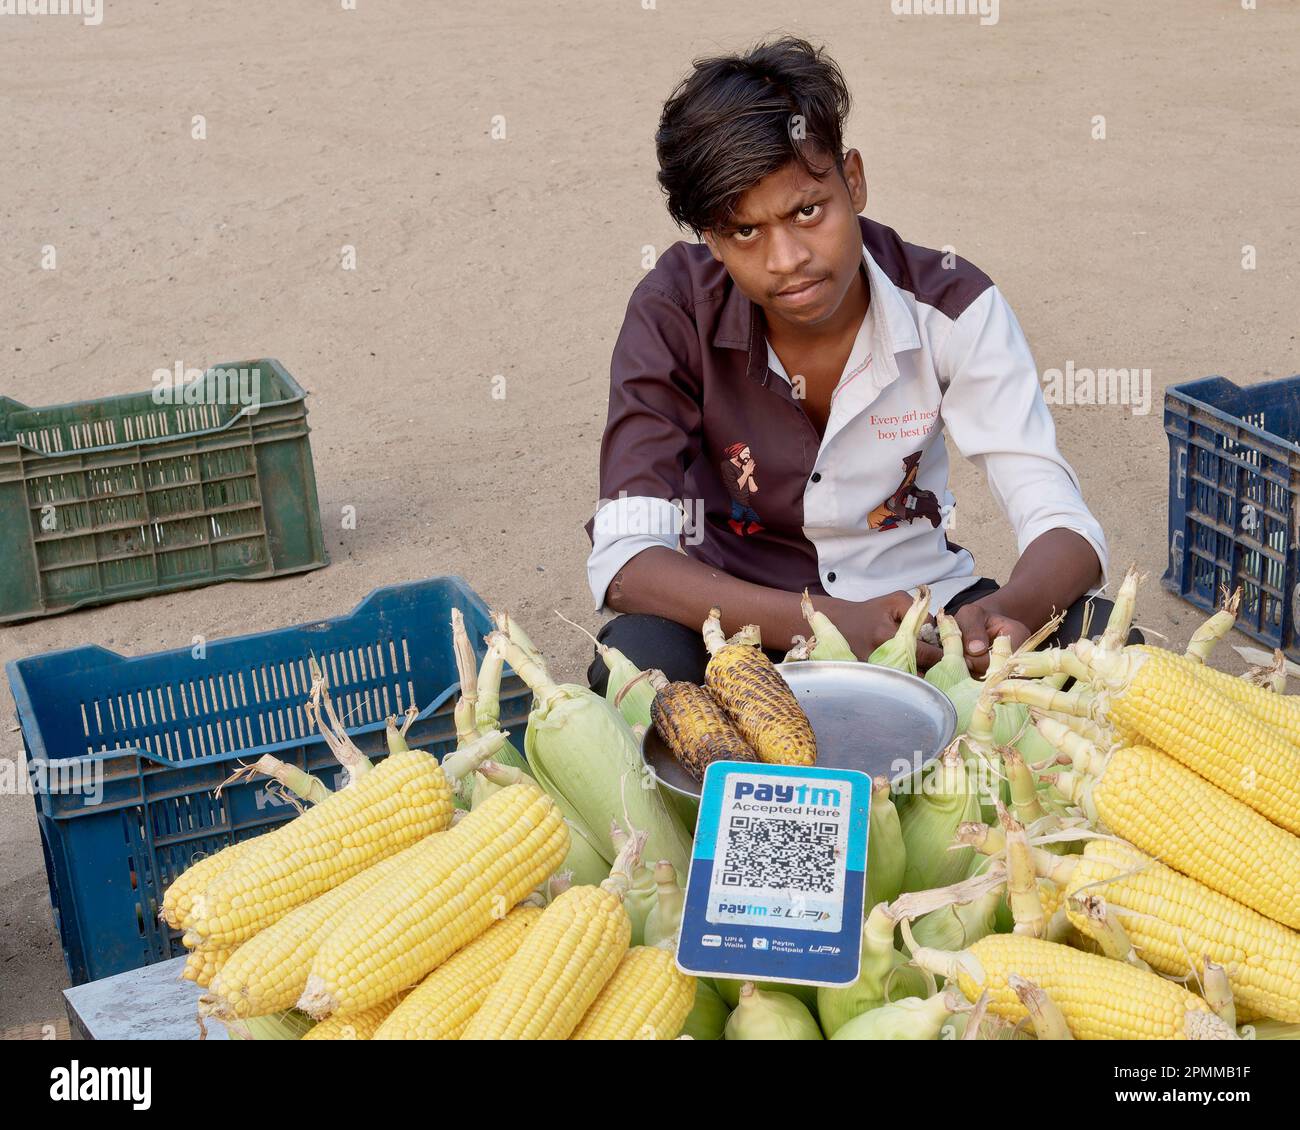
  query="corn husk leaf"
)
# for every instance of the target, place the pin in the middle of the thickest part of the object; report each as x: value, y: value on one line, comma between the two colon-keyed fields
x: 760, y: 1015
x: 913, y: 1018
x: 884, y: 976
x: 886, y: 852
x: 946, y: 797
x: 829, y: 641
x: 708, y: 1018
x: 900, y: 651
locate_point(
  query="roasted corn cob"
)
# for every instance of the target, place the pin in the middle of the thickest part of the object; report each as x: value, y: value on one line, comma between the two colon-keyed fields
x: 1165, y: 809
x: 442, y: 1005
x: 695, y: 727
x: 648, y: 997
x: 1100, y: 999
x: 1177, y: 924
x: 454, y: 888
x: 563, y: 962
x: 759, y: 701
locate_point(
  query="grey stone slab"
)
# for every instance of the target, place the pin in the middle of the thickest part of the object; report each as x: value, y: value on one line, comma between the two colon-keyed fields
x: 151, y: 1003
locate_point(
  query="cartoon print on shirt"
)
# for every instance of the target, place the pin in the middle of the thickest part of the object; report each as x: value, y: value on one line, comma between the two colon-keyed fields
x: 907, y: 503
x: 738, y: 476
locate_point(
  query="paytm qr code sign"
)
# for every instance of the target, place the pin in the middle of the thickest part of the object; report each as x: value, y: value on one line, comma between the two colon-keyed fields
x: 778, y: 875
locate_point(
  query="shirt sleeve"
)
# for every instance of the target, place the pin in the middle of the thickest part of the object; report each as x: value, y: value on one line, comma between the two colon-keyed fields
x: 652, y: 433
x: 993, y: 408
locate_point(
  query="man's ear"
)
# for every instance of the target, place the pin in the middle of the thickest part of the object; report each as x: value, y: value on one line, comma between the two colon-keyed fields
x: 855, y: 180
x: 712, y: 245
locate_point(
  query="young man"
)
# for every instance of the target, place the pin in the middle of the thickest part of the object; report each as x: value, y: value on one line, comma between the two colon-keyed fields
x: 788, y: 383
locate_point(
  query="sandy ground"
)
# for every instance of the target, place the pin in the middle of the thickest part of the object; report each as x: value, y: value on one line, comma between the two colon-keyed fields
x: 478, y: 257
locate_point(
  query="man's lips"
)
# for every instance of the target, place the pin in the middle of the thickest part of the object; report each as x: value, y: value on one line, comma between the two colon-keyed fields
x: 799, y: 287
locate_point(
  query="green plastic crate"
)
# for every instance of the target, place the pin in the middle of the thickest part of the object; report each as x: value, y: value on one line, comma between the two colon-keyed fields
x: 152, y: 492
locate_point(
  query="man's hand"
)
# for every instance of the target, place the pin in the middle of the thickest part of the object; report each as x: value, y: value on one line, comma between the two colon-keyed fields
x: 872, y: 622
x: 980, y: 625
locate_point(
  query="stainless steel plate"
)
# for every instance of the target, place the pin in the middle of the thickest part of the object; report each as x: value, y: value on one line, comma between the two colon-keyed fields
x: 869, y: 718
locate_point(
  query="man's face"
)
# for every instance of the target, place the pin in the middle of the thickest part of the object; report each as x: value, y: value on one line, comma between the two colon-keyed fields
x: 744, y: 456
x: 791, y: 229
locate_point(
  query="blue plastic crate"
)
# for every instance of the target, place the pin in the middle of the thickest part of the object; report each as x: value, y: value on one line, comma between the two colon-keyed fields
x: 159, y: 732
x: 1234, y: 501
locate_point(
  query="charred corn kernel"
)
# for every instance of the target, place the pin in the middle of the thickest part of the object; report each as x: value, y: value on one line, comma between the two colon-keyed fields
x: 178, y: 899
x: 400, y: 801
x: 268, y: 972
x: 1176, y: 923
x: 758, y: 700
x: 1164, y: 698
x: 452, y: 889
x: 359, y: 1026
x: 1280, y: 711
x: 1100, y: 999
x: 556, y: 974
x: 695, y: 727
x: 647, y: 998
x: 440, y: 1006
x: 204, y: 963
x: 1165, y: 809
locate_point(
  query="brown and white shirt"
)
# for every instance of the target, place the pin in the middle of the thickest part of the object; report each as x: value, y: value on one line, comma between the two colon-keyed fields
x: 699, y: 401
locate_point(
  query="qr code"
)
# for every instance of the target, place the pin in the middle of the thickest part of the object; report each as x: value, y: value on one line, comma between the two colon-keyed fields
x: 780, y: 855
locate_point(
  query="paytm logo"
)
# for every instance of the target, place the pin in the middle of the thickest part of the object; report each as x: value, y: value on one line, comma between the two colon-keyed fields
x: 788, y: 794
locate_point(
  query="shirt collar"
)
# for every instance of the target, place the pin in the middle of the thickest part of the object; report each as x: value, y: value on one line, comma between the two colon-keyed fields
x: 741, y: 324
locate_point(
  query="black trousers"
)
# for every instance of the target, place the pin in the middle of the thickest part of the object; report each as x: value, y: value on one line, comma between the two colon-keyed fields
x: 678, y: 651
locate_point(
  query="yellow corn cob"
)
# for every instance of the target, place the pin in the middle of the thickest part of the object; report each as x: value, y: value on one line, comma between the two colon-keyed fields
x: 452, y: 890
x: 204, y: 963
x: 442, y: 1005
x: 1100, y: 999
x: 268, y: 972
x: 1162, y: 697
x: 400, y: 801
x: 1177, y: 923
x: 1280, y: 711
x: 1169, y: 812
x: 359, y: 1026
x: 647, y: 998
x: 564, y: 961
x: 695, y: 727
x: 179, y: 896
x: 758, y: 700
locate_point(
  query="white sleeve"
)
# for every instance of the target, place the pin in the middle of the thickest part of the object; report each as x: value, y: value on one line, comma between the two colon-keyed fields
x: 622, y: 529
x: 994, y: 409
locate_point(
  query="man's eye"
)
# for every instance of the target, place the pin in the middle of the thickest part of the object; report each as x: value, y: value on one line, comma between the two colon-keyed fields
x: 742, y: 235
x: 806, y: 210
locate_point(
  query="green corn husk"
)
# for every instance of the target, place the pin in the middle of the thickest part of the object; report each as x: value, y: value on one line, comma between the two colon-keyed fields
x: 900, y: 651
x: 886, y: 852
x: 585, y: 756
x: 761, y: 1015
x: 913, y: 1018
x: 830, y: 643
x: 394, y: 738
x: 951, y: 670
x: 487, y: 716
x: 642, y: 896
x: 956, y: 927
x: 945, y: 798
x: 628, y: 687
x: 290, y: 1025
x: 729, y: 991
x: 1003, y: 922
x: 665, y: 918
x: 708, y: 1018
x: 877, y: 982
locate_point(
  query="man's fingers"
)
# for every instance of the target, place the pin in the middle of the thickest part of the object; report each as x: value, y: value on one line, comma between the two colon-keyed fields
x: 927, y: 655
x: 977, y: 665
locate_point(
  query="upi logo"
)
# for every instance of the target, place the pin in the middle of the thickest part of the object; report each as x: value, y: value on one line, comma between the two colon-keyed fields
x: 90, y: 11
x: 987, y: 10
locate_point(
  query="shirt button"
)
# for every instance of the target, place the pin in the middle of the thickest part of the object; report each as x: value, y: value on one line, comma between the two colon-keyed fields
x: 830, y: 576
x: 816, y: 476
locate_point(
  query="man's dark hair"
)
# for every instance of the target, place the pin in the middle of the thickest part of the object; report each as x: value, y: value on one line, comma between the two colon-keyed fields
x: 737, y: 118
